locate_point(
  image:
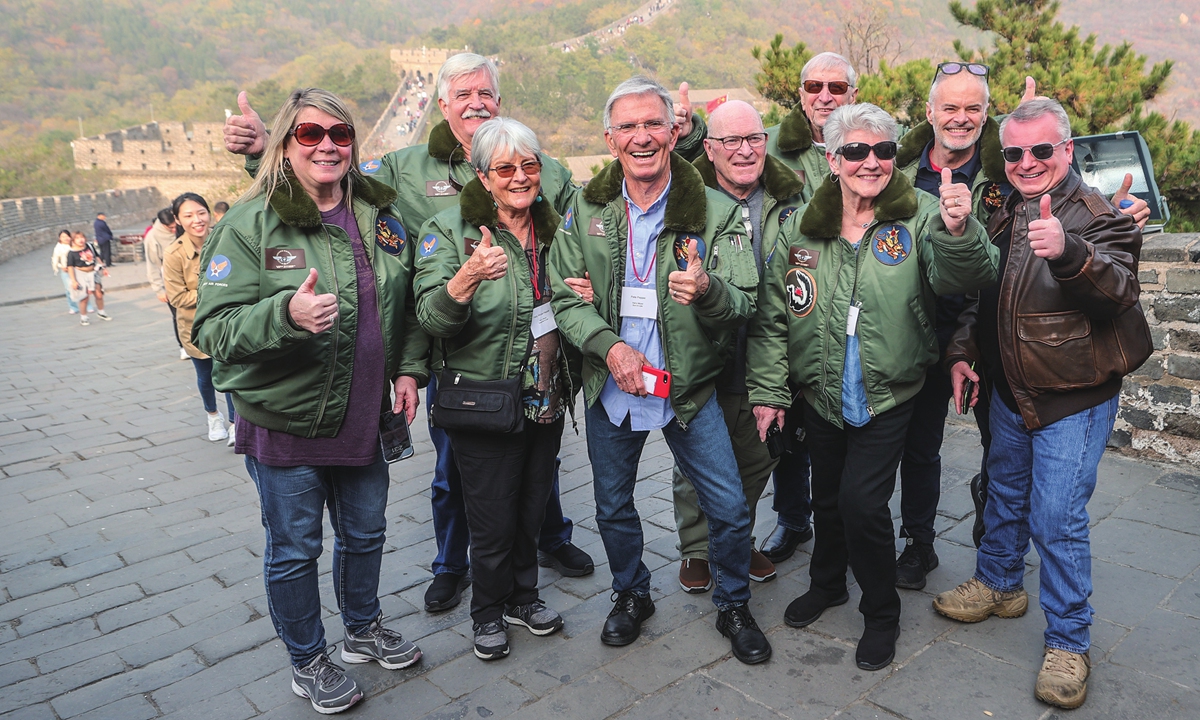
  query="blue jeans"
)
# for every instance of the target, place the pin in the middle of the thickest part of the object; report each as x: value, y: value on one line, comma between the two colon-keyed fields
x: 791, y: 479
x: 450, y: 514
x: 208, y: 394
x: 1040, y: 483
x: 705, y: 454
x: 293, y: 499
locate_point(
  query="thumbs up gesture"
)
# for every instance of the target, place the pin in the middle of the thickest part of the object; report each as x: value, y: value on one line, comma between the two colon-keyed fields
x: 310, y: 311
x: 1135, y: 207
x: 245, y: 134
x: 1046, y: 237
x: 956, y: 203
x: 488, y: 262
x: 688, y: 285
x: 683, y: 111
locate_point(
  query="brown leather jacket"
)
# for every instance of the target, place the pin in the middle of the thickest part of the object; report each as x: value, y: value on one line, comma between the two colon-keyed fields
x: 1071, y: 328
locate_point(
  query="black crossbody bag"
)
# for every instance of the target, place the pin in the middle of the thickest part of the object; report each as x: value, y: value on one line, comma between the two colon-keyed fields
x: 480, y: 405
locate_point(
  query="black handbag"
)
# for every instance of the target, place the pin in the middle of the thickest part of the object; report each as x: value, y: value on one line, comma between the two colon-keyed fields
x: 481, y: 405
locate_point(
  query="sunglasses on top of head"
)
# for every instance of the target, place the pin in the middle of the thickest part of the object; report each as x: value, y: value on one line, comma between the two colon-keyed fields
x: 836, y: 87
x: 954, y: 68
x: 309, y: 134
x: 1041, y: 151
x: 857, y: 152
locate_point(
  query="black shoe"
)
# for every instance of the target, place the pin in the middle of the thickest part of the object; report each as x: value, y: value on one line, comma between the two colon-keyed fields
x: 745, y: 639
x: 568, y: 560
x: 624, y: 623
x: 445, y: 591
x: 804, y: 610
x: 781, y: 544
x: 876, y: 649
x: 914, y: 564
x: 979, y: 497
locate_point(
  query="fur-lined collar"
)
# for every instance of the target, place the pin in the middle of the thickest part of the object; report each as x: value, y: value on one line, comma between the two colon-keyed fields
x: 478, y: 208
x: 296, y: 208
x: 443, y: 144
x: 795, y: 132
x: 823, y: 217
x: 687, y: 207
x: 778, y: 179
x: 914, y: 141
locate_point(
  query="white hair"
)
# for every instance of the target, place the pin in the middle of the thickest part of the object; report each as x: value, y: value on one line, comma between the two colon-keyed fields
x: 463, y: 64
x: 860, y: 116
x: 640, y: 85
x: 829, y: 61
x: 501, y: 136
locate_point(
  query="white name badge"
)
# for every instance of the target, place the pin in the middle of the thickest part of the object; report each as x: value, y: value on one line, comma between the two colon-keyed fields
x: 639, y: 302
x: 543, y: 320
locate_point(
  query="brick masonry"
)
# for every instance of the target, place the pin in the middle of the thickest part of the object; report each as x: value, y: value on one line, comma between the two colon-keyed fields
x: 30, y: 223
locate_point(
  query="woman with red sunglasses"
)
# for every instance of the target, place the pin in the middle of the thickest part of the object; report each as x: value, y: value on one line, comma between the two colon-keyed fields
x: 303, y: 305
x: 845, y: 316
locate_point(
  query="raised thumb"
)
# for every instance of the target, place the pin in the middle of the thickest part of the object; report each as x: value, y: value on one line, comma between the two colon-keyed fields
x: 947, y: 176
x: 309, y: 283
x: 244, y: 104
x: 683, y: 92
x: 1030, y: 89
x: 1045, y: 206
x: 1125, y: 185
x: 693, y: 257
x: 486, y: 241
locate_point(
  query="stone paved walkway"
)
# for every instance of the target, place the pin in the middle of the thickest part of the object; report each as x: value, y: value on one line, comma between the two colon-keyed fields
x: 131, y: 588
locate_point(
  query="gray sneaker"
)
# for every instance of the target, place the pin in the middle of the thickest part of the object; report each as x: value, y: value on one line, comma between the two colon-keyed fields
x: 325, y: 685
x: 491, y: 642
x: 386, y: 647
x: 540, y: 619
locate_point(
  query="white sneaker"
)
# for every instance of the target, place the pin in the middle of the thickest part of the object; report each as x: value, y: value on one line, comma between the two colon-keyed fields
x: 183, y: 354
x: 83, y: 319
x: 232, y: 436
x: 103, y: 315
x: 216, y: 428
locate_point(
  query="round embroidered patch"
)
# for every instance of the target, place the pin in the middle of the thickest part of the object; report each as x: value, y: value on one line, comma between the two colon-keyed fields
x: 569, y: 219
x: 681, y: 249
x: 891, y: 244
x: 428, y: 245
x: 801, y: 292
x: 218, y: 268
x: 786, y: 213
x: 369, y: 167
x: 390, y: 235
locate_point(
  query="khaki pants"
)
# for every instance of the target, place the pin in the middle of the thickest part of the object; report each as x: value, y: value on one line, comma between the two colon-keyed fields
x: 754, y: 463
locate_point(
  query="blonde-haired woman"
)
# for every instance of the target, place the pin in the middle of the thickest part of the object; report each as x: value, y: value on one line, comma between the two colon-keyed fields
x: 304, y: 306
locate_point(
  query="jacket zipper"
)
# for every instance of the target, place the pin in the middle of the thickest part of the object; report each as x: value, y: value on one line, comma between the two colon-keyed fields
x: 512, y: 330
x: 337, y: 321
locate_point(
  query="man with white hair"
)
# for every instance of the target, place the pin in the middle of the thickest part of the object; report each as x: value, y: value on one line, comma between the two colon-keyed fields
x: 1056, y: 335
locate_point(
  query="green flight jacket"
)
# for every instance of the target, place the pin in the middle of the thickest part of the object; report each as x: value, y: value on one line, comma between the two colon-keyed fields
x: 697, y: 338
x: 782, y: 194
x: 905, y: 259
x: 487, y: 338
x: 281, y: 377
x: 792, y: 142
x: 987, y: 193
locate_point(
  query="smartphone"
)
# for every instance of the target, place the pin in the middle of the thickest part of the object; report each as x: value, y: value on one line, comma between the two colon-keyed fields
x: 777, y: 442
x: 394, y: 438
x: 658, y: 382
x: 968, y: 388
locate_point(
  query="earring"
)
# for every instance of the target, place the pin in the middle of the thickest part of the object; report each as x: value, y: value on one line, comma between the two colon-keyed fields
x: 833, y: 178
x: 539, y: 198
x: 287, y: 164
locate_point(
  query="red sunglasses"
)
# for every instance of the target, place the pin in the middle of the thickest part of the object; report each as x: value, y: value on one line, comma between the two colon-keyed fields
x: 310, y: 133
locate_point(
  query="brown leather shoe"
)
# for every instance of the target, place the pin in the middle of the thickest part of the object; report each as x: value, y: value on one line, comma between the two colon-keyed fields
x: 975, y: 602
x: 761, y: 569
x: 1063, y: 678
x: 694, y: 576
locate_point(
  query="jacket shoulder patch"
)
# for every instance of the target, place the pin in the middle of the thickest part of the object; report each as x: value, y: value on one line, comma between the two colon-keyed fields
x: 1097, y: 205
x: 390, y: 235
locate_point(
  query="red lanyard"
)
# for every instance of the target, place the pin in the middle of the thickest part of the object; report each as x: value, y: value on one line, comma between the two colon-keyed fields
x: 632, y: 256
x: 537, y: 291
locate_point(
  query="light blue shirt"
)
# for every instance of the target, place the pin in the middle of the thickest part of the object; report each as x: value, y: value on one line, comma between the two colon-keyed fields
x: 854, y: 392
x: 641, y: 334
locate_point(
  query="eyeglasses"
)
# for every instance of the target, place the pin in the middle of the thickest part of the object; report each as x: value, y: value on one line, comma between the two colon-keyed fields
x: 954, y: 68
x: 857, y: 152
x: 529, y: 167
x: 1041, y: 151
x: 310, y: 133
x: 734, y: 142
x: 836, y: 87
x: 653, y: 127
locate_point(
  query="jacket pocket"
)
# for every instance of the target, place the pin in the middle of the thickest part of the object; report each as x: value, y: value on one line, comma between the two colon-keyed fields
x: 1056, y: 350
x: 924, y: 324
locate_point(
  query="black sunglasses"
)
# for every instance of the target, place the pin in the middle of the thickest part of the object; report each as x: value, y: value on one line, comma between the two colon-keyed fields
x: 954, y: 68
x: 857, y: 152
x: 310, y: 133
x: 1041, y: 151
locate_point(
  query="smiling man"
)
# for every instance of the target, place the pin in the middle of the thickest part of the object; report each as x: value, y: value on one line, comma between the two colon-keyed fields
x: 1056, y: 335
x: 674, y: 278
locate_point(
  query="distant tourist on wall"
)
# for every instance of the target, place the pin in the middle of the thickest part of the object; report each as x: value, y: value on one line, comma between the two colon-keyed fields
x: 104, y: 238
x: 82, y: 266
x: 58, y: 264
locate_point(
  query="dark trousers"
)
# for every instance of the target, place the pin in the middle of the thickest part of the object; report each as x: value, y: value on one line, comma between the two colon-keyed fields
x: 792, y: 491
x: 983, y: 421
x: 853, y: 477
x: 450, y: 518
x: 921, y: 466
x: 105, y: 252
x: 506, y: 480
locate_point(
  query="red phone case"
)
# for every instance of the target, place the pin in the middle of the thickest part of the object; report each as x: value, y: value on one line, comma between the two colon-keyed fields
x: 661, y: 386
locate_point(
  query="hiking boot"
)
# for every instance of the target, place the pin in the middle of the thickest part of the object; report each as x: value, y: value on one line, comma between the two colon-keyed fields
x: 1062, y: 681
x: 761, y: 569
x: 325, y: 685
x: 386, y: 647
x: 914, y: 564
x: 568, y: 560
x: 216, y: 428
x: 491, y: 642
x: 694, y: 576
x: 974, y: 602
x: 540, y: 619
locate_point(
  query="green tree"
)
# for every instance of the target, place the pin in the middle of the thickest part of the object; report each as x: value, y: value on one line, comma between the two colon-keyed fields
x: 779, y: 79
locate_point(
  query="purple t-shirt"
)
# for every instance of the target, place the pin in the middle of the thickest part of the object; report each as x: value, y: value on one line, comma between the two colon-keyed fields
x: 357, y: 441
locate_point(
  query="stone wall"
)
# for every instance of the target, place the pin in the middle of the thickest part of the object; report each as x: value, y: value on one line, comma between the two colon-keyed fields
x: 1160, y: 402
x: 29, y: 223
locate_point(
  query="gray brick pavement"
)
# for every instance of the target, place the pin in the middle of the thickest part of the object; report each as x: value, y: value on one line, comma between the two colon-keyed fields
x: 130, y: 575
